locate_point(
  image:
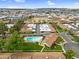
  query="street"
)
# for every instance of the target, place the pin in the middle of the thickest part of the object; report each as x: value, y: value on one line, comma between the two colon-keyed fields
x: 69, y: 44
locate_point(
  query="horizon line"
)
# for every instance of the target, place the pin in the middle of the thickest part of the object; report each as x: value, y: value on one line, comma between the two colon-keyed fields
x: 35, y: 8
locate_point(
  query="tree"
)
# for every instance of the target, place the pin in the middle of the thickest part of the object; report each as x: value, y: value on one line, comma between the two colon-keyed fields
x: 3, y: 29
x: 14, y: 42
x: 30, y: 17
x: 2, y: 42
x: 69, y: 54
x: 17, y: 26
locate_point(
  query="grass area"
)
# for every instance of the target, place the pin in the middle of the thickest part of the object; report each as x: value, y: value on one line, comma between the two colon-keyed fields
x: 74, y: 37
x: 31, y: 47
x: 59, y: 40
x: 57, y: 28
x: 29, y: 32
x: 69, y: 54
x: 34, y: 47
x: 56, y: 48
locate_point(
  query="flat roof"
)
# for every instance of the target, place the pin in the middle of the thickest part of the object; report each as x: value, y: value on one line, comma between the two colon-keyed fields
x: 32, y: 27
x: 43, y: 27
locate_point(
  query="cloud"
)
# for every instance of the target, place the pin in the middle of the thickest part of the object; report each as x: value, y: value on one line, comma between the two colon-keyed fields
x: 50, y: 3
x: 76, y: 3
x: 20, y: 1
x: 12, y: 7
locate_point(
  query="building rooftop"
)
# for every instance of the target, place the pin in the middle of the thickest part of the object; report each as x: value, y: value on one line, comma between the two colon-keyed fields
x: 5, y: 55
x: 50, y: 39
x: 43, y: 27
x: 32, y: 27
x: 39, y: 55
x: 33, y: 55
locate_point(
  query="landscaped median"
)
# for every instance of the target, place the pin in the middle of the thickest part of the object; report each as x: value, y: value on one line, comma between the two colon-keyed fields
x: 69, y: 54
x: 75, y: 38
x: 59, y: 40
x: 57, y: 28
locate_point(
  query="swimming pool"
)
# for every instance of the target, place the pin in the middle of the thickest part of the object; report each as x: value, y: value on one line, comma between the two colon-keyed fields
x: 33, y: 39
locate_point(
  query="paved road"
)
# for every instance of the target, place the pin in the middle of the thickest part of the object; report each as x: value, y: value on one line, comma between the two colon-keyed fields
x: 65, y: 36
x: 70, y: 44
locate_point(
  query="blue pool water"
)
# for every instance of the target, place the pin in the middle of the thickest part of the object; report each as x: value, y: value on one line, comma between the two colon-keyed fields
x: 33, y: 39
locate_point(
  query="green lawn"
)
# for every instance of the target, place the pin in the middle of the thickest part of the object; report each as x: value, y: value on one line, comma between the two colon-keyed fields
x: 55, y: 48
x: 30, y: 47
x: 34, y: 47
x: 57, y: 28
x: 59, y: 40
x: 74, y: 37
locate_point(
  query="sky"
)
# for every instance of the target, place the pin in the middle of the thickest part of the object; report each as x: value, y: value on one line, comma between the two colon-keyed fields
x: 39, y: 4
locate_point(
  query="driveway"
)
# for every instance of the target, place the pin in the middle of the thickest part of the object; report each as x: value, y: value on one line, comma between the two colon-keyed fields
x: 69, y: 44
